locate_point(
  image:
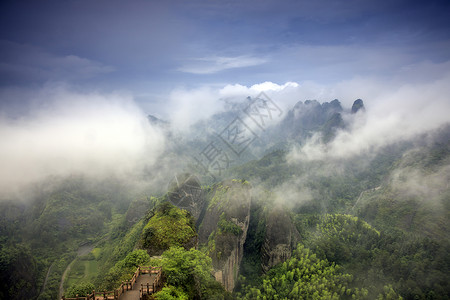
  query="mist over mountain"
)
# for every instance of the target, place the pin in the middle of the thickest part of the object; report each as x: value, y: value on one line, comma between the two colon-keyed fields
x: 300, y: 176
x: 233, y: 149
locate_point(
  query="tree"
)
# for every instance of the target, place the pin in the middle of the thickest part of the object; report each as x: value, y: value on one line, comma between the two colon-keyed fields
x: 124, y: 269
x: 304, y: 276
x: 191, y: 271
x: 81, y: 289
x: 168, y: 226
x: 171, y: 293
x: 135, y: 259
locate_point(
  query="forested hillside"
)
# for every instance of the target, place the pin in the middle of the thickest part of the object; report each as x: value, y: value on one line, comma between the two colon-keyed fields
x: 372, y: 225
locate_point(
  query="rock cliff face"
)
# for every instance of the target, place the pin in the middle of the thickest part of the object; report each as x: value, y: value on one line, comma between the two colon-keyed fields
x: 224, y: 224
x: 224, y: 229
x: 280, y: 239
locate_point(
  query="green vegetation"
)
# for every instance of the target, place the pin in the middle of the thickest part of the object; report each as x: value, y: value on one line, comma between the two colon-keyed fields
x: 80, y: 289
x: 369, y: 228
x: 168, y: 226
x: 343, y: 238
x: 64, y: 216
x: 251, y: 262
x: 304, y: 276
x: 113, y: 249
x: 124, y: 269
x: 219, y: 193
x: 18, y: 272
x: 171, y: 293
x: 188, y: 273
x: 382, y: 262
x: 84, y: 269
x: 226, y: 226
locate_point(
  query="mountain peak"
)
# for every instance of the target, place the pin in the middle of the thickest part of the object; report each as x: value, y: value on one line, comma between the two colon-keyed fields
x: 357, y: 106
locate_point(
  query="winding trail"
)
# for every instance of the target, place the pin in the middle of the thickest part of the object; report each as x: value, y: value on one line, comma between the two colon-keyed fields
x: 362, y: 193
x: 83, y: 250
x: 46, y: 278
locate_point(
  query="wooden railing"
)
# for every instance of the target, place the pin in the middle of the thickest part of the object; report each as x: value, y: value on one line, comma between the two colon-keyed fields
x: 156, y: 285
x: 126, y: 286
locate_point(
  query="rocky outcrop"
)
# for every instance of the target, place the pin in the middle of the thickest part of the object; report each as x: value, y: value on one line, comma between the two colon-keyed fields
x: 331, y: 108
x: 185, y: 192
x: 308, y: 117
x: 358, y: 105
x: 224, y: 229
x: 280, y: 239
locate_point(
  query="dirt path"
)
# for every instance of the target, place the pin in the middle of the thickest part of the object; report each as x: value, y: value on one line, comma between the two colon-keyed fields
x: 83, y: 250
x: 46, y: 278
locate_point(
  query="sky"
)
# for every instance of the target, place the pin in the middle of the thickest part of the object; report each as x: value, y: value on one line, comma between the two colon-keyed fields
x: 78, y: 78
x: 150, y: 49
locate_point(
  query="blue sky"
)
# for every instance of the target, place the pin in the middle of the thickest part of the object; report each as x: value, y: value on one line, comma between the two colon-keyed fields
x: 150, y: 48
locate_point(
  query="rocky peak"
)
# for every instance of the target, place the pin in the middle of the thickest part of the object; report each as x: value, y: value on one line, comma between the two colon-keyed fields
x: 224, y: 229
x: 331, y: 108
x: 358, y: 105
x: 185, y: 192
x: 310, y: 116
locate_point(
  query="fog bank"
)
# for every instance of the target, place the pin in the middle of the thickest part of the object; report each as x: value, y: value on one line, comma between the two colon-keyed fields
x: 71, y: 133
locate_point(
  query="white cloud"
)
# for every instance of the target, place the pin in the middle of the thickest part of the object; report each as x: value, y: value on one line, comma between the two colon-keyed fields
x: 267, y: 86
x: 215, y: 64
x: 425, y: 186
x: 71, y: 133
x: 187, y: 106
x: 396, y: 109
x: 394, y: 113
x: 270, y: 86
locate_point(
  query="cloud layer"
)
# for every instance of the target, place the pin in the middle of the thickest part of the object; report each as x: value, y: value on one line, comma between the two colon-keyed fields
x: 396, y: 109
x: 62, y: 131
x: 71, y: 133
x: 210, y: 65
x: 393, y: 114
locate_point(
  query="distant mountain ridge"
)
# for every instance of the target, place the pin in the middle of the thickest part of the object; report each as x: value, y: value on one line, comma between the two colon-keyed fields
x: 296, y: 126
x: 382, y: 217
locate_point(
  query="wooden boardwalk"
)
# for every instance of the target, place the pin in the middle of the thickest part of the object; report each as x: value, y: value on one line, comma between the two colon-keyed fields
x: 145, y: 281
x: 135, y: 294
